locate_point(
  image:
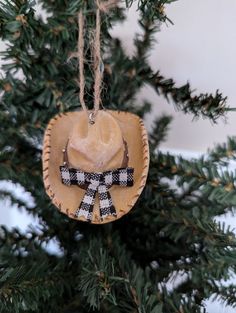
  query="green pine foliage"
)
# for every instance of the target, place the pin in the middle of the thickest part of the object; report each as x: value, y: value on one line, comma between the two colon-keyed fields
x: 122, y: 267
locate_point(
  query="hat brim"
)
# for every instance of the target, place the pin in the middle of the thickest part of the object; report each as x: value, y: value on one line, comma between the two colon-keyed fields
x: 68, y: 198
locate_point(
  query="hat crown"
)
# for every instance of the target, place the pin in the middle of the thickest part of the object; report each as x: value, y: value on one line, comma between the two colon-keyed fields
x: 96, y: 147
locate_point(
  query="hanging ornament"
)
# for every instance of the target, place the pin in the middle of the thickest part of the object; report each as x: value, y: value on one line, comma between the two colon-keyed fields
x: 95, y: 163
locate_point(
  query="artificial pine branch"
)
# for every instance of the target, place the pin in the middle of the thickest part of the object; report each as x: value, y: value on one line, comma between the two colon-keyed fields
x: 22, y: 288
x: 225, y: 294
x: 205, y: 105
x: 159, y: 131
x: 224, y: 153
x: 137, y: 72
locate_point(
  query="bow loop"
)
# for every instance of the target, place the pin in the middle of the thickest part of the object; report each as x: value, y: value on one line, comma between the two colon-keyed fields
x: 97, y: 183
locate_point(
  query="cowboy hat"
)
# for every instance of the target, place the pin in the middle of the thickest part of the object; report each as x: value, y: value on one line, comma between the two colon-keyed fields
x: 95, y: 170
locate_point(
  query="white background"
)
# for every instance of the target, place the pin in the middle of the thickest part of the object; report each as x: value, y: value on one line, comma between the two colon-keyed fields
x: 199, y: 48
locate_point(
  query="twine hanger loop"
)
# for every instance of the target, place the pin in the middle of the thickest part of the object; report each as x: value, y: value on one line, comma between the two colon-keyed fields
x: 105, y: 7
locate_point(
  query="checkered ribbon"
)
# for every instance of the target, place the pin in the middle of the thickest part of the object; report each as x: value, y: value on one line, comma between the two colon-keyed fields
x: 97, y: 183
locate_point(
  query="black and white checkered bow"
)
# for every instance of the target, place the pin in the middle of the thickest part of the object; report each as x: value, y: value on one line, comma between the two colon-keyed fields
x: 97, y: 182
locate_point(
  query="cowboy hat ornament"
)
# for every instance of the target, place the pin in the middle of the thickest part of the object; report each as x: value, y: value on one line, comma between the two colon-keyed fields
x: 95, y: 172
x: 95, y: 163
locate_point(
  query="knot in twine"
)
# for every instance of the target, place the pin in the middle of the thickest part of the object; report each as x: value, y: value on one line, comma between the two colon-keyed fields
x: 105, y: 7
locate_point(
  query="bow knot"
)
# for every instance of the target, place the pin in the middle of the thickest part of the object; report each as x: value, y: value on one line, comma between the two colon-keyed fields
x: 97, y: 183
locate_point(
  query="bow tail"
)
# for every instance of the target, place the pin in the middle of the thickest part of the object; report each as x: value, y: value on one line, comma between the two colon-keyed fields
x: 86, y: 206
x: 105, y: 202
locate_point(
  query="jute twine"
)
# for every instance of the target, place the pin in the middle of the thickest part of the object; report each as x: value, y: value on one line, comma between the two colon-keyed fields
x: 105, y: 7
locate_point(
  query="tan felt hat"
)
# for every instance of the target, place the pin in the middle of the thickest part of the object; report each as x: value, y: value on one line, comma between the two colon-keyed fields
x: 116, y: 141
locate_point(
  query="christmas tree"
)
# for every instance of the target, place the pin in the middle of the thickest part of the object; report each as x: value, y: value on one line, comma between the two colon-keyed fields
x: 121, y: 266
